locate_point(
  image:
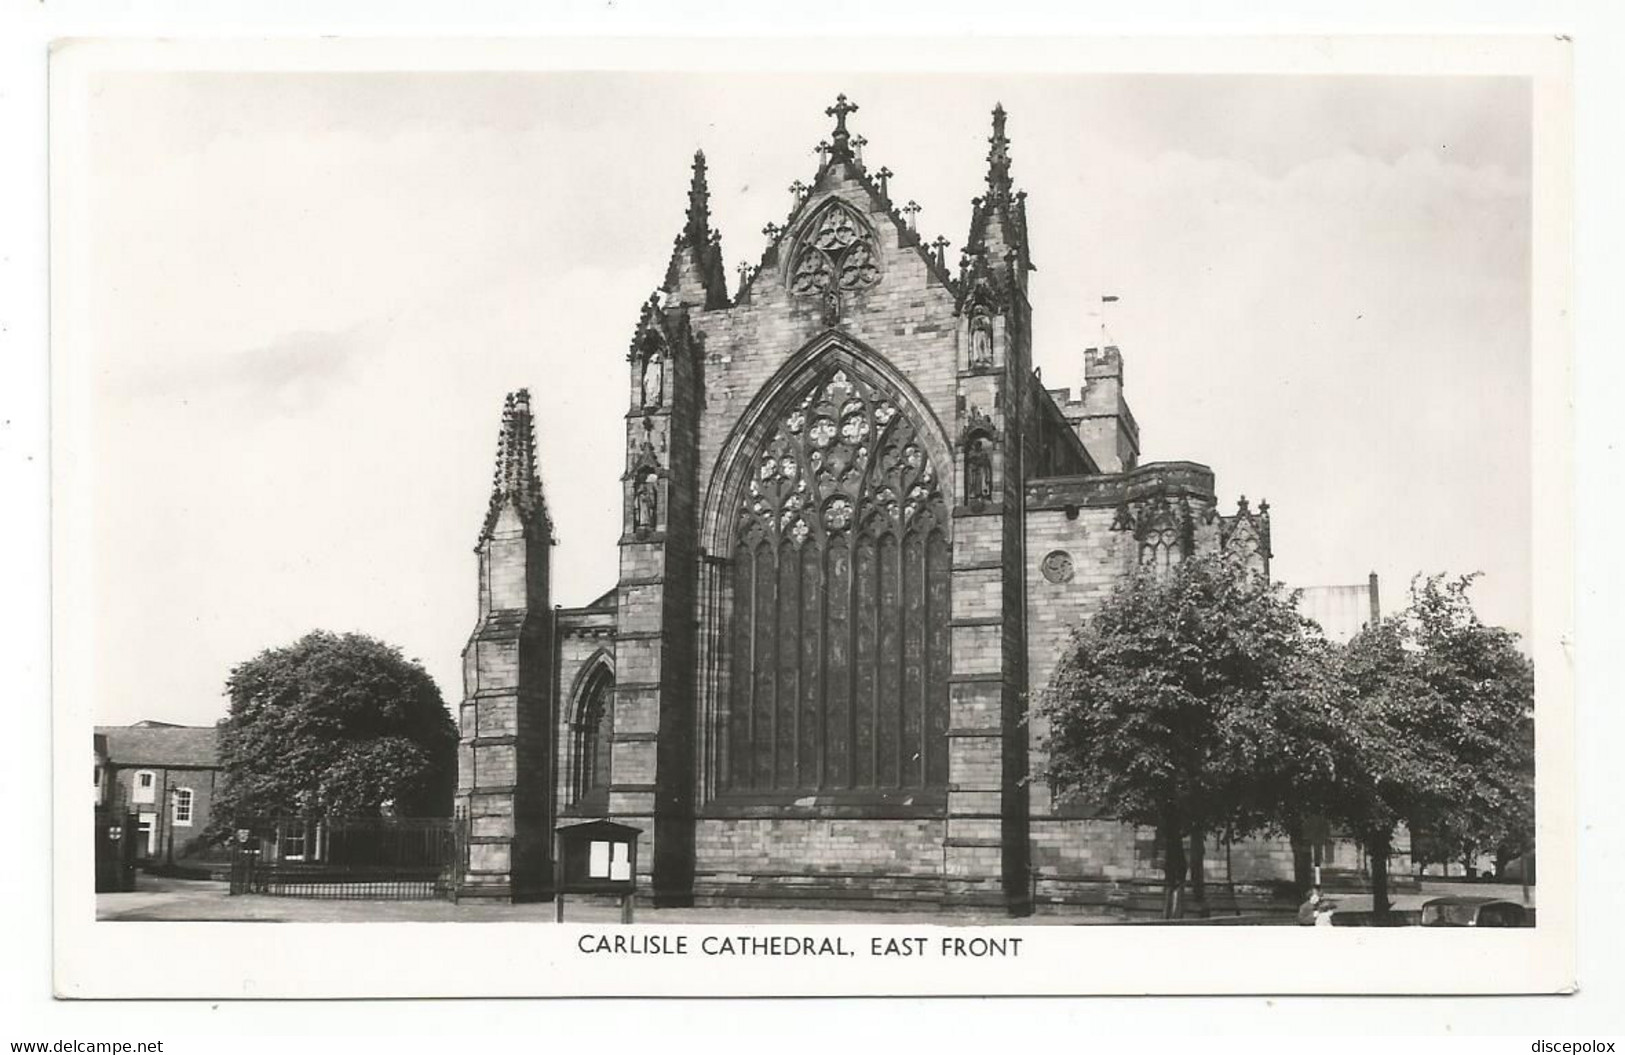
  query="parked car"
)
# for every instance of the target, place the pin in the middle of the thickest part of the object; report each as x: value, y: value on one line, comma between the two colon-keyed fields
x: 1461, y: 911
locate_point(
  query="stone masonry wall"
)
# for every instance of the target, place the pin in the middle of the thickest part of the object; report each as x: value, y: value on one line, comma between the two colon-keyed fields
x: 584, y: 634
x: 1098, y: 558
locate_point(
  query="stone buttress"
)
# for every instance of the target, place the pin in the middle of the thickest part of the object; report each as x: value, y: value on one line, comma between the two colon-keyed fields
x: 506, y: 743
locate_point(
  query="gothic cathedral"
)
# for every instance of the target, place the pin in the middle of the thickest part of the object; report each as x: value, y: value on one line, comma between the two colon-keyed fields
x: 856, y: 531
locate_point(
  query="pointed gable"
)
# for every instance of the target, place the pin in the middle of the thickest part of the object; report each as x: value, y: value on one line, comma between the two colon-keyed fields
x: 841, y: 231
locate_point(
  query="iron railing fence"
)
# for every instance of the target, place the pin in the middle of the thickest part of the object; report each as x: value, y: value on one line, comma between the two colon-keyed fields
x: 348, y: 858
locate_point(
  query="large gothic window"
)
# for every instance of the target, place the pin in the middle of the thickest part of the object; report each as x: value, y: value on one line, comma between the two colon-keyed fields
x: 839, y: 668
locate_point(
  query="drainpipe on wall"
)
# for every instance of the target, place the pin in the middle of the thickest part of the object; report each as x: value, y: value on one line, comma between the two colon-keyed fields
x: 556, y: 737
x: 166, y: 810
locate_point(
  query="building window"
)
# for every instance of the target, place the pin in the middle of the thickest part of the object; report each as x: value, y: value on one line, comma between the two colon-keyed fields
x: 839, y: 666
x: 147, y: 831
x: 594, y: 732
x: 292, y: 842
x: 182, y: 812
x: 1164, y: 538
x: 146, y: 786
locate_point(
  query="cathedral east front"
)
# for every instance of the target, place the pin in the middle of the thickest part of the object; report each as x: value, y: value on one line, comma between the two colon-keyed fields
x: 856, y: 532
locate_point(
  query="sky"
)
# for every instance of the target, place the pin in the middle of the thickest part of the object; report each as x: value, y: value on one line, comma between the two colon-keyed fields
x: 308, y: 294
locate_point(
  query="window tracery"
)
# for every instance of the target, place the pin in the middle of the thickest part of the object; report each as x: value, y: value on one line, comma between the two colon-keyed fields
x: 840, y: 647
x: 839, y: 256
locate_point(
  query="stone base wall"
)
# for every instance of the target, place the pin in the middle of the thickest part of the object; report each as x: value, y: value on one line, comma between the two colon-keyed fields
x: 810, y: 846
x: 1078, y: 865
x: 1089, y: 849
x: 853, y: 863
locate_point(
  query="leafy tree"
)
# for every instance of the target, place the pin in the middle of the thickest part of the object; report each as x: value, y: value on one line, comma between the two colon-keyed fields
x: 1283, y: 748
x: 335, y: 723
x: 1194, y: 701
x: 1440, y: 713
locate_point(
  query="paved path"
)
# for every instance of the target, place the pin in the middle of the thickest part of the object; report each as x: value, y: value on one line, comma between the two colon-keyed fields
x: 161, y: 898
x: 1411, y: 900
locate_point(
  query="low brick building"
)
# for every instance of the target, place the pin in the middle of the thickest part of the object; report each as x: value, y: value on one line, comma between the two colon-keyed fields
x: 164, y: 776
x: 857, y: 528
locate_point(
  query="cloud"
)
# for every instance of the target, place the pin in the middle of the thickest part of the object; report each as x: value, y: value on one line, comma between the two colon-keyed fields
x: 290, y: 375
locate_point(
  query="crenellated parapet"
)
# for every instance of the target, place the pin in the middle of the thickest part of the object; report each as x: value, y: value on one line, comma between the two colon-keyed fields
x: 1171, y: 480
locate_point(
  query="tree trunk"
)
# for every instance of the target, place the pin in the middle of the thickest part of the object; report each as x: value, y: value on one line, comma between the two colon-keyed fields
x: 1303, y: 863
x: 1173, y: 870
x: 1377, y: 846
x: 1198, y: 868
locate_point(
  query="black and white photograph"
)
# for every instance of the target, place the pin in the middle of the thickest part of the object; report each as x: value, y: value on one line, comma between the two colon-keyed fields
x: 784, y: 521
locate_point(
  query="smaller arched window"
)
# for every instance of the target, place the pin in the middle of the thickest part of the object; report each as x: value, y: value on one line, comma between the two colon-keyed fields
x: 593, y: 733
x: 1162, y: 540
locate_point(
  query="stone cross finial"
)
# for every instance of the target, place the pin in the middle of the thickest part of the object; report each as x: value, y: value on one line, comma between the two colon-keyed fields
x: 913, y: 210
x: 941, y: 246
x: 841, y: 136
x: 798, y: 191
x: 821, y: 149
x: 839, y: 112
x: 858, y: 143
x: 885, y: 174
x: 772, y: 231
x: 746, y: 273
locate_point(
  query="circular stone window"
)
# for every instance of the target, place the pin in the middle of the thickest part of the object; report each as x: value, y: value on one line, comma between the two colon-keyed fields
x: 1057, y: 566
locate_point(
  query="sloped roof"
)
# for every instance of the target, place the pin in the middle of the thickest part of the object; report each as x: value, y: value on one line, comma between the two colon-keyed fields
x: 160, y: 745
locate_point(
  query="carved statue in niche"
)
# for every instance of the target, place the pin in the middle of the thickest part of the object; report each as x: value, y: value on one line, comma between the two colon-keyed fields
x: 654, y: 378
x: 978, y: 470
x: 981, y: 341
x: 644, y: 498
